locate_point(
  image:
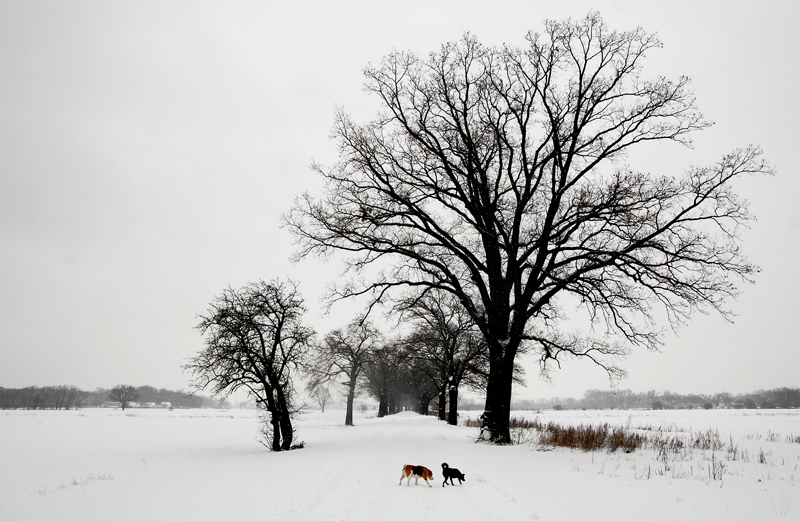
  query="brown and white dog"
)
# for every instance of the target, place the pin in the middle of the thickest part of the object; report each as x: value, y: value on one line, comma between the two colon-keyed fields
x: 416, y: 472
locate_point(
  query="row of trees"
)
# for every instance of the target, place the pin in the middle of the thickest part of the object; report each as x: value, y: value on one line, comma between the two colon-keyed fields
x: 71, y: 397
x: 177, y: 399
x: 442, y: 352
x: 498, y: 177
x: 782, y: 398
x: 256, y: 341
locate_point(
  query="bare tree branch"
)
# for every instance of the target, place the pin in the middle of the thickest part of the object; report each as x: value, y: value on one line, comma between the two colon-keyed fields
x: 498, y: 175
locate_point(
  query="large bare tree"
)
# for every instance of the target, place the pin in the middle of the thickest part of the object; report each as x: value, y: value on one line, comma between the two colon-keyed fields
x: 498, y: 175
x: 254, y: 340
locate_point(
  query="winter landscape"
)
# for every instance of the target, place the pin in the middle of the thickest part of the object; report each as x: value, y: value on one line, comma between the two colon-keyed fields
x: 204, y: 464
x: 258, y: 256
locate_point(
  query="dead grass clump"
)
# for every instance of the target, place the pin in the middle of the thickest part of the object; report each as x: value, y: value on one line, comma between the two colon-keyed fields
x: 625, y: 440
x: 708, y: 440
x: 591, y: 437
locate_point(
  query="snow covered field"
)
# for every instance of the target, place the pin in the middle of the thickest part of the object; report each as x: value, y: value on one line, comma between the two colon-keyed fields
x: 100, y: 464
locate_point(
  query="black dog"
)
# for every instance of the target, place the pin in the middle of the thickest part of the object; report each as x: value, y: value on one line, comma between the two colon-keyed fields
x: 449, y: 473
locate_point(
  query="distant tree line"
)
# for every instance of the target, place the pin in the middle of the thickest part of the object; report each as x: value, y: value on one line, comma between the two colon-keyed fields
x: 177, y: 399
x: 56, y: 397
x: 70, y: 397
x: 779, y: 398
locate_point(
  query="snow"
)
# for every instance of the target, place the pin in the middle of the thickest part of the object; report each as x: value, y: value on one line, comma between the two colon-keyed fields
x: 101, y: 464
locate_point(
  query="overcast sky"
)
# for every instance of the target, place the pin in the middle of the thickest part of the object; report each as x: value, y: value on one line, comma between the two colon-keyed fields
x: 148, y: 149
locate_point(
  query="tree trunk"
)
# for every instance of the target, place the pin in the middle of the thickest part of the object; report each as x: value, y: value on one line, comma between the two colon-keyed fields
x: 287, y: 432
x: 274, y: 417
x: 351, y: 396
x: 452, y: 415
x: 383, y: 406
x: 424, y: 405
x: 497, y: 411
x: 276, y: 431
x: 443, y: 401
x: 284, y: 420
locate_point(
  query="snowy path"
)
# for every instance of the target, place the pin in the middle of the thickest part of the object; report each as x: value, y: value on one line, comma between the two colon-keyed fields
x: 367, y: 486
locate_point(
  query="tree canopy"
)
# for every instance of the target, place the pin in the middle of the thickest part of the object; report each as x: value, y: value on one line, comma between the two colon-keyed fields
x: 498, y: 174
x: 254, y: 339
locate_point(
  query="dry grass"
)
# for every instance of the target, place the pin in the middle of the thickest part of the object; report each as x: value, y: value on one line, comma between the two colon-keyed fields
x: 591, y: 437
x: 666, y: 442
x: 582, y: 437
